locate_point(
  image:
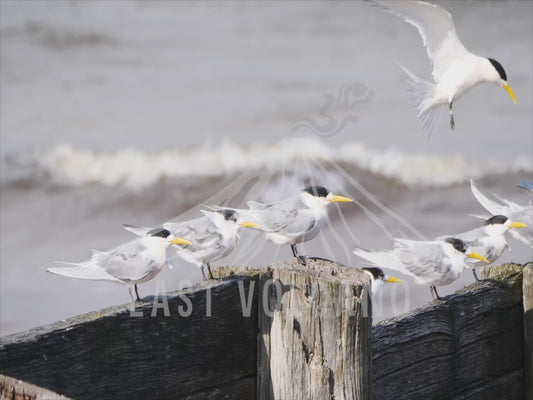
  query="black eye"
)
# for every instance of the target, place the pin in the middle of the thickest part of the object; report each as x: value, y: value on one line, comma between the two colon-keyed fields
x: 159, y: 232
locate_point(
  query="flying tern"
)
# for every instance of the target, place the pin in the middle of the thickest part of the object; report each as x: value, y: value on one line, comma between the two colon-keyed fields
x: 430, y: 263
x: 135, y: 262
x: 213, y: 236
x: 455, y: 69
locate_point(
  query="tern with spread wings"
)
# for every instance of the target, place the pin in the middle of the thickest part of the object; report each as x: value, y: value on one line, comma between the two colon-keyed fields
x: 455, y: 69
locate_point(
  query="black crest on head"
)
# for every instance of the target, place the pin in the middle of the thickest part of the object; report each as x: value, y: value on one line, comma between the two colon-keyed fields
x: 160, y: 232
x: 377, y: 273
x: 229, y: 215
x: 497, y: 219
x: 498, y: 68
x: 318, y: 191
x: 457, y: 244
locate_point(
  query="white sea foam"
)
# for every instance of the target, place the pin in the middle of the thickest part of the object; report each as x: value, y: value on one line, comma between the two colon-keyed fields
x: 134, y: 169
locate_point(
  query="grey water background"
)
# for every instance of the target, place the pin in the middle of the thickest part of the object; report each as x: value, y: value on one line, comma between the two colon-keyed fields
x: 135, y: 112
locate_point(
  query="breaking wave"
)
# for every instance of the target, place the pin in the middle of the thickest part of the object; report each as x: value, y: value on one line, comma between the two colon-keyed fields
x: 133, y: 169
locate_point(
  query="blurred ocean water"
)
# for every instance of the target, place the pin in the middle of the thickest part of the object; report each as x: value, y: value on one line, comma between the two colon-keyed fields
x: 136, y: 112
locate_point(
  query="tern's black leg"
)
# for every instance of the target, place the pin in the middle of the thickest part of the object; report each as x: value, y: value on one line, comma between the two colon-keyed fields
x: 452, y: 121
x: 301, y: 259
x: 434, y: 293
x: 475, y: 274
x: 294, y: 250
x: 209, y: 269
x: 137, y: 293
x: 203, y: 272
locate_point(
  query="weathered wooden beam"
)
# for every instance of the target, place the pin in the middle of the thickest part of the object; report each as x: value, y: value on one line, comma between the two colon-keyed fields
x: 315, y: 332
x: 527, y: 288
x: 15, y: 389
x: 468, y: 346
x: 111, y: 354
x: 314, y: 342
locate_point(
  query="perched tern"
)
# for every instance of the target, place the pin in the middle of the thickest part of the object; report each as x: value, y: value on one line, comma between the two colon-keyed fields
x: 213, y: 236
x: 135, y: 262
x: 378, y: 279
x: 512, y: 211
x: 489, y: 239
x: 294, y: 220
x: 455, y: 69
x: 430, y: 263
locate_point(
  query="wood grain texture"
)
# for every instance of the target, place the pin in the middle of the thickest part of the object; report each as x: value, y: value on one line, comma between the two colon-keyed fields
x: 527, y: 288
x: 111, y: 355
x: 309, y: 340
x: 468, y: 346
x: 236, y: 390
x: 15, y: 389
x: 315, y: 333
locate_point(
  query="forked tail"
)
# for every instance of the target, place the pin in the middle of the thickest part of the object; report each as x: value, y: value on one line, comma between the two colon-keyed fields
x: 421, y: 94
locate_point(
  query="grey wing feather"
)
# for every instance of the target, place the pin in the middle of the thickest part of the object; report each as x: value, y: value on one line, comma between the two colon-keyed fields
x: 129, y: 262
x: 421, y: 259
x: 470, y: 236
x: 137, y: 230
x: 199, y: 231
x: 283, y: 217
x: 255, y: 205
x: 85, y: 270
x: 435, y: 26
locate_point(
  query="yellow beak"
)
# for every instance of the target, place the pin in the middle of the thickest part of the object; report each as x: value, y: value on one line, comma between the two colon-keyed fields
x: 517, y: 225
x: 339, y: 199
x: 478, y: 256
x: 392, y: 279
x: 180, y: 241
x: 510, y: 92
x: 248, y: 224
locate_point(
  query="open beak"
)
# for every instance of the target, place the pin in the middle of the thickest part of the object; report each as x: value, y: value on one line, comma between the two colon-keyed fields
x: 517, y: 225
x: 248, y: 224
x: 510, y: 92
x: 392, y: 279
x: 180, y: 241
x: 339, y: 199
x: 478, y: 256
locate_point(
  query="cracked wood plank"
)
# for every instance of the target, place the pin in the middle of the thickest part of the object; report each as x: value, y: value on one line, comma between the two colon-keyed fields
x: 109, y: 354
x: 468, y: 346
x: 315, y: 332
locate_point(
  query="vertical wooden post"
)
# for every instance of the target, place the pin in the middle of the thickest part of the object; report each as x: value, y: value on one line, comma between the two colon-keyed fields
x: 527, y: 290
x: 315, y: 333
x: 15, y: 389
